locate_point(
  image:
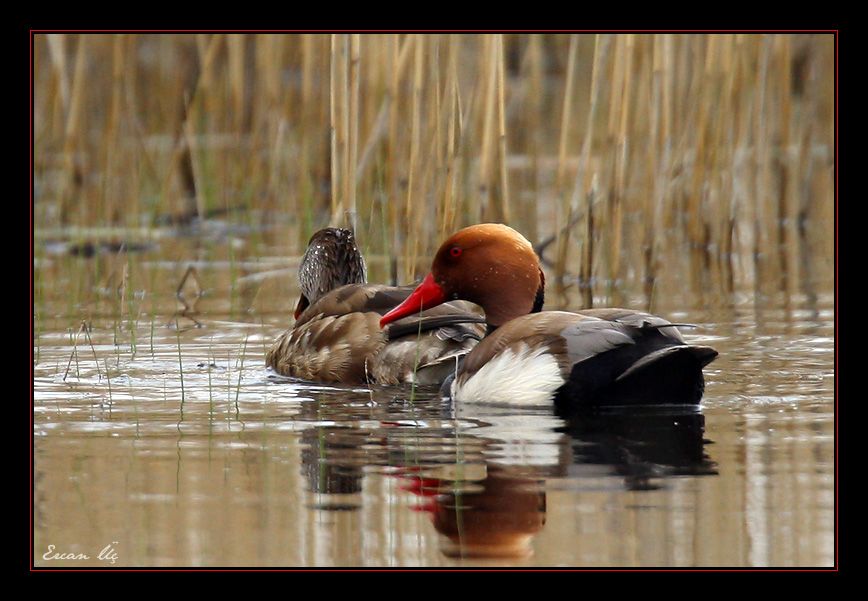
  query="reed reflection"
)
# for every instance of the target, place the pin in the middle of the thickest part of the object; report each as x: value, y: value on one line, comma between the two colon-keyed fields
x: 334, y: 480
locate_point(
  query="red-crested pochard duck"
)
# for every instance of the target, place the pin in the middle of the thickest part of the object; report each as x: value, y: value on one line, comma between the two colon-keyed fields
x: 337, y: 337
x: 529, y: 357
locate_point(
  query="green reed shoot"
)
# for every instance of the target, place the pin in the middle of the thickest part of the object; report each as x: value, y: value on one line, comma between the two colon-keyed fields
x: 210, y: 390
x: 109, y: 380
x: 240, y: 370
x: 416, y: 359
x: 180, y: 370
x: 74, y: 353
x: 135, y: 405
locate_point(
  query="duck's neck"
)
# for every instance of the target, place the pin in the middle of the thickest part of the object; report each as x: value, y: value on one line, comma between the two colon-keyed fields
x: 540, y: 298
x: 537, y: 306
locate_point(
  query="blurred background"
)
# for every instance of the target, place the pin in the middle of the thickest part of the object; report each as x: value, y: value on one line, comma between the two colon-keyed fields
x: 636, y: 160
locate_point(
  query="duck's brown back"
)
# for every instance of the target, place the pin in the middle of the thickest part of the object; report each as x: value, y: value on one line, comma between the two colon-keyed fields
x: 329, y: 348
x: 339, y: 339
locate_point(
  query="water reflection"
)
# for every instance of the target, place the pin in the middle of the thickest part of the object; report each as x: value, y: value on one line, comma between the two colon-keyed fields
x: 334, y: 481
x: 643, y: 445
x: 481, y: 476
x: 497, y: 518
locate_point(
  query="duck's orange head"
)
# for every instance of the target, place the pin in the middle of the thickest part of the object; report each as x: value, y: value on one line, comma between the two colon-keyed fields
x: 489, y: 264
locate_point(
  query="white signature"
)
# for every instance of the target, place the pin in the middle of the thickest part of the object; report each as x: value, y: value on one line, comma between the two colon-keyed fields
x: 108, y: 554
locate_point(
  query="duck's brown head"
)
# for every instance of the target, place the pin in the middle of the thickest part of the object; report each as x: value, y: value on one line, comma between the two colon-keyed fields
x: 332, y: 259
x: 489, y: 264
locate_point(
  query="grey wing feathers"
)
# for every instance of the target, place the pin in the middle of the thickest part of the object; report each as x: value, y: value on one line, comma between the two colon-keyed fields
x: 588, y: 338
x: 636, y: 319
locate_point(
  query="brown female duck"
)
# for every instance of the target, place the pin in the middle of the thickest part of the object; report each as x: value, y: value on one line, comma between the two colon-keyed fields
x: 337, y: 337
x: 592, y: 357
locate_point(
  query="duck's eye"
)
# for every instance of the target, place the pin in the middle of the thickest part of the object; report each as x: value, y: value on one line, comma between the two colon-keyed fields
x: 455, y: 252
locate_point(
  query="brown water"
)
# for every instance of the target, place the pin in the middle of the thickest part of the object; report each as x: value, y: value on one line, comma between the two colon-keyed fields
x: 172, y: 445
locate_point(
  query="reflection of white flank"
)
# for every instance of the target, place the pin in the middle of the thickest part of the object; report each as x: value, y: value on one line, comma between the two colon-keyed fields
x: 524, y: 440
x: 524, y: 376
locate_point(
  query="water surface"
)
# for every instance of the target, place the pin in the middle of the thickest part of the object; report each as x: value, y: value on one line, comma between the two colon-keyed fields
x: 161, y: 440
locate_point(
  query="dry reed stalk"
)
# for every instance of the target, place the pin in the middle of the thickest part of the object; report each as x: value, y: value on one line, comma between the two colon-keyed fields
x: 304, y: 185
x: 489, y: 76
x: 435, y: 101
x: 682, y: 93
x: 762, y: 181
x: 268, y: 49
x: 138, y: 164
x: 699, y: 140
x: 583, y: 182
x: 58, y: 90
x: 654, y: 173
x: 47, y: 105
x: 504, y: 213
x: 469, y: 125
x: 450, y: 197
x: 805, y: 169
x: 208, y: 47
x: 393, y: 62
x: 616, y: 197
x: 57, y: 51
x: 266, y: 117
x: 181, y: 162
x: 724, y: 141
x: 709, y: 215
x: 74, y: 176
x: 392, y: 65
x: 353, y: 155
x: 411, y: 250
x: 334, y: 111
x: 343, y: 127
x: 373, y: 86
x: 563, y: 207
x: 235, y: 164
x: 194, y: 177
x: 142, y: 158
x: 111, y: 137
x: 235, y: 50
x: 566, y: 113
x: 274, y: 185
x: 787, y: 236
x: 429, y: 184
x: 740, y: 233
x: 535, y: 94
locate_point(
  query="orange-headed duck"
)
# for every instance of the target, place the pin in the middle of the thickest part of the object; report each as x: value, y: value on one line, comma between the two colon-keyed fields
x: 337, y: 338
x: 592, y: 357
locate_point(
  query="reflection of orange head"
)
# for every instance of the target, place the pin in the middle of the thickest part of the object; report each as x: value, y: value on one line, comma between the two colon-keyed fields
x: 498, y: 521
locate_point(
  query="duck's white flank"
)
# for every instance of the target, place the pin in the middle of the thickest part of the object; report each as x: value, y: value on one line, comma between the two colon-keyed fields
x: 519, y: 376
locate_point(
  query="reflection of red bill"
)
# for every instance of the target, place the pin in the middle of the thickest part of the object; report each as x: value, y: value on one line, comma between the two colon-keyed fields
x: 424, y: 487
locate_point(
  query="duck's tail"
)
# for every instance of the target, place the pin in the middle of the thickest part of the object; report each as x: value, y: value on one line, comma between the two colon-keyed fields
x: 670, y: 375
